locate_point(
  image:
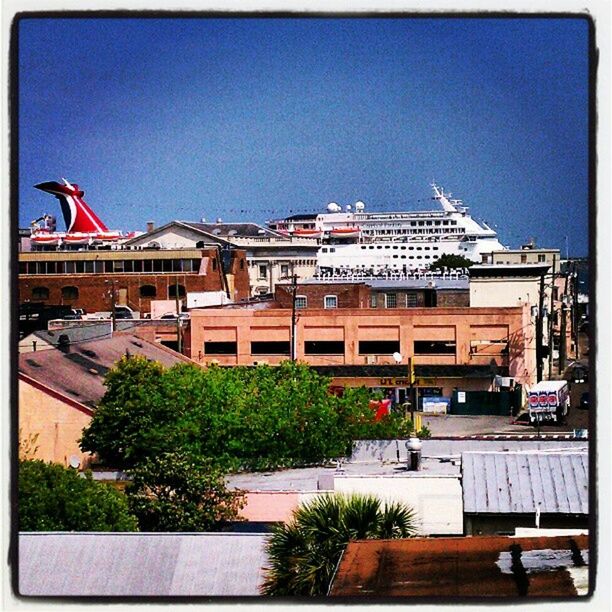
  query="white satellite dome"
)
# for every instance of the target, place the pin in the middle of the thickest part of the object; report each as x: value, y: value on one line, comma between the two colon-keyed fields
x: 349, y: 207
x: 333, y: 207
x: 359, y: 205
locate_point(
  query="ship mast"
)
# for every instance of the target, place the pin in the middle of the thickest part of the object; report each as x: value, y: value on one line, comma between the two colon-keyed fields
x: 443, y: 199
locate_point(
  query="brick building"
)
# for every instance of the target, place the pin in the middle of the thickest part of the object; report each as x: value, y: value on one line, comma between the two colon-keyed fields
x: 86, y: 279
x: 412, y: 292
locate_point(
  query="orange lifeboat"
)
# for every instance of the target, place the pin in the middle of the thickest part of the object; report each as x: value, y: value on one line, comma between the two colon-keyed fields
x: 307, y: 233
x: 46, y: 238
x: 345, y: 232
x: 77, y: 238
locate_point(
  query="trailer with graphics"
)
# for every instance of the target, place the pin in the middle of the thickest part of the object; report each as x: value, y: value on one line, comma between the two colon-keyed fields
x: 549, y: 402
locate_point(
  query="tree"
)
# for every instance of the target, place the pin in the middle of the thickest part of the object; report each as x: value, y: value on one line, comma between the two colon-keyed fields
x: 171, y: 493
x: 451, y: 261
x: 304, y: 552
x: 55, y: 498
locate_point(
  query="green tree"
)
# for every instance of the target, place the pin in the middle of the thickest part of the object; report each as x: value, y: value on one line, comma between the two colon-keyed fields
x: 55, y: 498
x: 172, y: 493
x: 451, y: 261
x: 303, y: 553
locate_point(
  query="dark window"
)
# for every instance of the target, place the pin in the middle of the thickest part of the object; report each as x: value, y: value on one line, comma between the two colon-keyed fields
x: 411, y: 300
x: 220, y: 348
x: 324, y: 347
x: 32, y: 267
x: 40, y: 293
x: 148, y: 291
x: 214, y: 264
x: 434, y: 347
x: 270, y: 348
x: 118, y: 265
x: 167, y: 265
x: 128, y: 265
x: 70, y: 293
x: 172, y: 291
x: 378, y: 347
x: 89, y: 267
x: 51, y: 267
x: 80, y: 267
x: 195, y: 265
x: 177, y: 265
x: 61, y: 267
x: 158, y: 265
x: 23, y: 267
x: 108, y: 266
x: 137, y: 263
x: 147, y: 265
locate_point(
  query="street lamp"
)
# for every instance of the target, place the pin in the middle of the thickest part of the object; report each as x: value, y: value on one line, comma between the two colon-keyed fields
x: 113, y: 298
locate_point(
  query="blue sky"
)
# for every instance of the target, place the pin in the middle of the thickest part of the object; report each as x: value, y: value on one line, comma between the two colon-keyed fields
x: 251, y: 119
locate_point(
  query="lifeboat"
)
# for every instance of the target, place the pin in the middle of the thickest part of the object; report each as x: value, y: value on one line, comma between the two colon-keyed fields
x: 107, y: 236
x: 77, y: 238
x: 345, y: 232
x: 46, y: 238
x: 307, y: 233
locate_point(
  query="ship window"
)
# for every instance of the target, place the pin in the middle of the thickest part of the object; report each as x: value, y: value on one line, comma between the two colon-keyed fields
x: 437, y: 223
x: 379, y: 347
x: 426, y: 248
x: 403, y: 257
x: 332, y: 250
x: 70, y: 293
x: 421, y: 223
x: 270, y: 348
x: 413, y: 223
x: 395, y: 256
x: 363, y: 247
x: 379, y: 247
x: 419, y: 248
x: 419, y: 257
x: 324, y: 250
x: 435, y: 248
x: 411, y: 248
x: 410, y: 256
x: 387, y: 246
x: 370, y: 247
x: 541, y: 258
x: 436, y: 256
x: 324, y: 347
x: 220, y: 348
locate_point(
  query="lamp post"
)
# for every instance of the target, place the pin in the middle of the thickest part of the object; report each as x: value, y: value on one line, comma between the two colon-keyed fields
x: 113, y: 297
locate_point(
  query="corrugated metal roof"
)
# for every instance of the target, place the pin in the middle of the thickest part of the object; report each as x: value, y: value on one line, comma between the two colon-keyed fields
x: 521, y: 482
x: 140, y: 564
x: 486, y: 566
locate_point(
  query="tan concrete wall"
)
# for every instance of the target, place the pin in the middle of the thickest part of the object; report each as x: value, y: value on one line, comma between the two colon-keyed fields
x: 58, y: 424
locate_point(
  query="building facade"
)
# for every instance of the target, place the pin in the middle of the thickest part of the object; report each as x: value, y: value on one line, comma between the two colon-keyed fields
x: 88, y: 279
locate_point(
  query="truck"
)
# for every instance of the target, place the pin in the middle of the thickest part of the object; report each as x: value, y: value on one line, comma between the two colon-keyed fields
x: 549, y: 402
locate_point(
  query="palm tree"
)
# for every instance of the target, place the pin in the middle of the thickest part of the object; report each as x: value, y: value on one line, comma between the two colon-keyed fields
x: 305, y: 552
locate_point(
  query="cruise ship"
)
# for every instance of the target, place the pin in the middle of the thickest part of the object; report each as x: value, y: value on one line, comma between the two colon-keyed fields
x: 402, y: 241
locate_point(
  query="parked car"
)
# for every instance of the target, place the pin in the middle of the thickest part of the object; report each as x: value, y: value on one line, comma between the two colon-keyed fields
x: 584, y: 400
x: 123, y: 312
x: 171, y: 315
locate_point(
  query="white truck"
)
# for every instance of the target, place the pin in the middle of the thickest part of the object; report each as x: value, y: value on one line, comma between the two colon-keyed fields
x: 549, y: 401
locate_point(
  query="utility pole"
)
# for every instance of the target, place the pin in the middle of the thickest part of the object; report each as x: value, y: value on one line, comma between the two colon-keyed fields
x: 179, y: 338
x: 539, y: 325
x: 575, y: 284
x: 113, y: 311
x: 551, y: 316
x: 293, y: 316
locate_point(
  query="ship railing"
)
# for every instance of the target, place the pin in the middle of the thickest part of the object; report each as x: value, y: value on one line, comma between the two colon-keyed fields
x: 354, y: 275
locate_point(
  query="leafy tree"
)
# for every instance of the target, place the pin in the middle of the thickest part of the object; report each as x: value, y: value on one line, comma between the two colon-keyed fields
x: 171, y: 493
x: 55, y: 498
x: 304, y: 552
x: 451, y: 261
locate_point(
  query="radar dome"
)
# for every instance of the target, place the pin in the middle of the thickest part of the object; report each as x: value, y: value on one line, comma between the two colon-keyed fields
x: 333, y: 207
x: 359, y: 205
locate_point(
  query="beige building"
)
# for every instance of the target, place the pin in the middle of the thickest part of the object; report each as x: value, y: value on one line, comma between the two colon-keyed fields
x: 548, y: 257
x: 270, y: 255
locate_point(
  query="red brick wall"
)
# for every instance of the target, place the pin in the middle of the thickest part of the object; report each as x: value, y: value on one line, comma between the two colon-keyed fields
x: 460, y: 298
x: 350, y: 295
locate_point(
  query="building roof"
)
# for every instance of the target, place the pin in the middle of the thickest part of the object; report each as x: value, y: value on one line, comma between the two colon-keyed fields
x: 140, y: 564
x: 515, y: 482
x: 232, y: 230
x: 84, y: 332
x: 481, y: 566
x: 533, y: 270
x: 439, y: 284
x: 79, y: 373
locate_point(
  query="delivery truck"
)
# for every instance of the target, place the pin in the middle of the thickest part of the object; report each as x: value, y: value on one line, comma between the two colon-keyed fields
x: 549, y: 402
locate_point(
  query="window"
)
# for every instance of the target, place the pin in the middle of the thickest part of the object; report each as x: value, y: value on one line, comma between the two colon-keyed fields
x: 270, y: 348
x: 214, y: 263
x: 148, y: 291
x: 262, y: 271
x: 541, y: 258
x: 331, y: 301
x: 390, y: 300
x: 284, y: 270
x: 40, y: 293
x: 301, y: 301
x: 411, y: 300
x: 70, y: 293
x: 434, y: 347
x: 117, y: 267
x: 379, y: 347
x: 220, y: 348
x: 523, y: 258
x: 172, y: 293
x: 324, y: 347
x: 372, y: 300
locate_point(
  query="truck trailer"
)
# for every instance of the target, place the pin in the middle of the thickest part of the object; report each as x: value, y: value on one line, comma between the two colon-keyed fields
x: 549, y: 401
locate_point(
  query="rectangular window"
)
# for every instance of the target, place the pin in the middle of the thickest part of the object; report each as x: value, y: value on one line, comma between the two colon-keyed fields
x: 270, y: 348
x: 379, y: 347
x: 118, y: 265
x: 263, y: 272
x: 137, y: 263
x: 411, y: 300
x: 323, y: 347
x: 301, y: 301
x: 158, y: 265
x: 108, y: 266
x: 23, y: 267
x: 541, y: 258
x: 331, y: 301
x: 220, y: 348
x: 523, y: 258
x: 390, y: 300
x: 434, y: 347
x: 89, y: 266
x: 31, y: 267
x: 176, y: 265
x: 284, y: 270
x: 80, y: 267
x: 372, y: 300
x: 70, y: 267
x: 167, y: 265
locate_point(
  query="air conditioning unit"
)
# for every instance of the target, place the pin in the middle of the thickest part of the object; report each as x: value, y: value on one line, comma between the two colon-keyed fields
x: 371, y: 359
